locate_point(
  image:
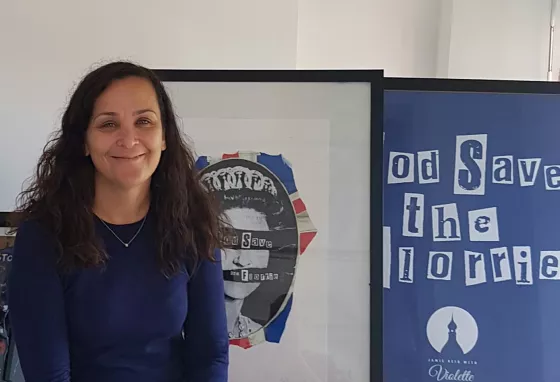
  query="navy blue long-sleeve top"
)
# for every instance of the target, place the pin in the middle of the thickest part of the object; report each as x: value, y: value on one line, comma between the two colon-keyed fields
x: 124, y: 322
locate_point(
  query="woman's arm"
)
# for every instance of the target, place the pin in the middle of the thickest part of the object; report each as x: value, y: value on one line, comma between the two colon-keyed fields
x: 206, y: 336
x: 36, y: 307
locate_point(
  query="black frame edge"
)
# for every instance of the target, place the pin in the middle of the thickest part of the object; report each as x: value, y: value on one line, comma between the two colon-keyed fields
x: 5, y: 219
x: 376, y: 230
x: 470, y: 85
x: 265, y: 75
x: 9, y: 219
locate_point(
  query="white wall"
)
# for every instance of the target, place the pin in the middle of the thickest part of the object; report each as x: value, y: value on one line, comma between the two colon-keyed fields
x: 494, y: 39
x: 398, y: 36
x: 48, y: 45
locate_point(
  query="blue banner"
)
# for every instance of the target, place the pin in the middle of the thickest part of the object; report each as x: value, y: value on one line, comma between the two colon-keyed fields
x: 472, y: 229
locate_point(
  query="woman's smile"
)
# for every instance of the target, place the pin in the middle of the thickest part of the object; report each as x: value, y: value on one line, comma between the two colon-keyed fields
x: 134, y: 158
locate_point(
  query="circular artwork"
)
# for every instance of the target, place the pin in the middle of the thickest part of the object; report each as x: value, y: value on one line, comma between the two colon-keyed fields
x: 258, y: 198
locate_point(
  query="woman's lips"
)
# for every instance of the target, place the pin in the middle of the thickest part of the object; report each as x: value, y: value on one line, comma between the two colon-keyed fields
x: 127, y: 157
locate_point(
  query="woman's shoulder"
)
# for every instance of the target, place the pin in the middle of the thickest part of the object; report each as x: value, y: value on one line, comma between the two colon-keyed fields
x: 32, y: 240
x: 30, y: 229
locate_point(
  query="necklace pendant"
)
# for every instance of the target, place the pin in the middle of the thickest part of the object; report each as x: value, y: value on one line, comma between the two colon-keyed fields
x: 134, y: 237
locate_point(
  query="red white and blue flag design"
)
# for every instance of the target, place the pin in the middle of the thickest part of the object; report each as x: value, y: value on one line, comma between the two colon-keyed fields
x: 277, y: 165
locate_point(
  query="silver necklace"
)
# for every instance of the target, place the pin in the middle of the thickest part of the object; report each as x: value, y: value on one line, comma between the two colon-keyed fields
x: 133, y: 237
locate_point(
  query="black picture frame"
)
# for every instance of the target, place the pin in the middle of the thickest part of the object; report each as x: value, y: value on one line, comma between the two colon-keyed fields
x: 5, y: 219
x: 470, y: 85
x: 458, y: 85
x: 375, y: 79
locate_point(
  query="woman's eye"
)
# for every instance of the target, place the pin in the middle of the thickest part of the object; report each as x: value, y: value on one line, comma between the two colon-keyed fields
x: 144, y: 121
x: 108, y: 124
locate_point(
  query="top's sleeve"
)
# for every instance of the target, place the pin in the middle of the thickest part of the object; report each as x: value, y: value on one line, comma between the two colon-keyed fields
x: 206, y: 335
x: 36, y: 307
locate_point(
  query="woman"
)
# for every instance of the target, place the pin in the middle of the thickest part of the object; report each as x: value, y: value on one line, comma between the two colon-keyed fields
x: 116, y: 274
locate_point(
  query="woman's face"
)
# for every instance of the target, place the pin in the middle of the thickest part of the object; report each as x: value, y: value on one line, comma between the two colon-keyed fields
x: 125, y: 136
x: 251, y: 220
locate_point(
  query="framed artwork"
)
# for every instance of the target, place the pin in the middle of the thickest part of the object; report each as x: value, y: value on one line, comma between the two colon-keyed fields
x: 6, y: 249
x: 10, y: 369
x: 472, y: 254
x: 295, y: 160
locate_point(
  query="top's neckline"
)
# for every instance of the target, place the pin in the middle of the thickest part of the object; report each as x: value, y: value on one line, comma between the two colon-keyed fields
x: 125, y: 224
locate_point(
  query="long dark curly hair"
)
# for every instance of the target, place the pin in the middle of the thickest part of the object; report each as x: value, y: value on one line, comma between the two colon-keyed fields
x: 61, y: 193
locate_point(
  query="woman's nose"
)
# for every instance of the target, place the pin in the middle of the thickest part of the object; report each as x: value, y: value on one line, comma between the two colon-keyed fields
x: 127, y: 138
